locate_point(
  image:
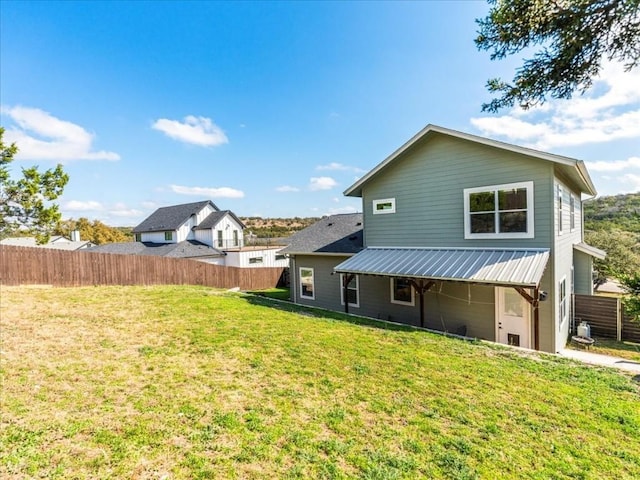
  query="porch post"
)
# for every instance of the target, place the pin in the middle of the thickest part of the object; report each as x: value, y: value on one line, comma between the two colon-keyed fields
x: 534, y: 302
x: 421, y: 287
x: 346, y: 279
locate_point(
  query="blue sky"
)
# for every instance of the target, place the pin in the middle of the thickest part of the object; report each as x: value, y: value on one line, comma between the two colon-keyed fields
x: 268, y: 109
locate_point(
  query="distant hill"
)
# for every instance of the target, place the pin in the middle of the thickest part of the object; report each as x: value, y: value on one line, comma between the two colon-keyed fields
x: 276, y: 227
x: 615, y: 212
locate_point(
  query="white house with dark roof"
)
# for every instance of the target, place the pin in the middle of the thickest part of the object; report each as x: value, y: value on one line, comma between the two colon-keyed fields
x: 198, y: 231
x: 458, y: 233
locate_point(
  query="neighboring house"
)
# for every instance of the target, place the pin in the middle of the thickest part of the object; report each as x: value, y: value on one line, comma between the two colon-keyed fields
x: 56, y: 243
x: 199, y: 231
x: 190, y: 249
x: 459, y: 233
x: 200, y: 221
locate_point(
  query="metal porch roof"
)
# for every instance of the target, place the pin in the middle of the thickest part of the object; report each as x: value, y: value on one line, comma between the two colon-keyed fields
x: 517, y: 267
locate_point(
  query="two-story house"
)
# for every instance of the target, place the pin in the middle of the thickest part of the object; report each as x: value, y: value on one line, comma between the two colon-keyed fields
x: 458, y: 233
x: 200, y: 221
x: 198, y: 231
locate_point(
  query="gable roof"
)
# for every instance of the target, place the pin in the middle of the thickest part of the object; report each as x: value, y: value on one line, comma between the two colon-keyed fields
x: 55, y: 243
x: 170, y: 218
x: 334, y: 234
x: 214, y: 218
x: 574, y: 169
x: 186, y: 249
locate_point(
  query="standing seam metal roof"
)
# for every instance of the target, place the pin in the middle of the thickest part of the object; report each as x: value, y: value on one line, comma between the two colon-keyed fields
x: 517, y: 267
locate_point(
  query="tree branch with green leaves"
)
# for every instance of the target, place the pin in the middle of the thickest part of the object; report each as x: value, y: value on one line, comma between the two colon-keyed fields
x: 25, y: 203
x: 571, y: 39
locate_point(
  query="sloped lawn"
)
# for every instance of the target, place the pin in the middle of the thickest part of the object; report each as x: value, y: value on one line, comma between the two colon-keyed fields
x: 187, y: 382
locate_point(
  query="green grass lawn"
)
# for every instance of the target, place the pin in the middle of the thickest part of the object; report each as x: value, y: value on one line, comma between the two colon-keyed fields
x: 188, y: 382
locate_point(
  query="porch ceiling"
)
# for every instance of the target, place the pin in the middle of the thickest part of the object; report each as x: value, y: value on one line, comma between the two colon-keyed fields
x: 509, y: 267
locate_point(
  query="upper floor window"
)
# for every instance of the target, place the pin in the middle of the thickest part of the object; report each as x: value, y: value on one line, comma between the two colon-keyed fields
x: 220, y: 242
x: 168, y: 236
x: 504, y: 211
x: 235, y: 238
x: 138, y: 237
x: 385, y: 205
x: 572, y: 212
x: 559, y: 206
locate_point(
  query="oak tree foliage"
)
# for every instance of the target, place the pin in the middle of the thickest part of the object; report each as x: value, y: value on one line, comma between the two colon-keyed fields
x: 570, y: 40
x: 25, y: 203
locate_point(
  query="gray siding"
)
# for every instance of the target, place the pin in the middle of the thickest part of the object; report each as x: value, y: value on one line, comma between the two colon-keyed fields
x: 583, y: 265
x: 448, y: 305
x: 428, y: 183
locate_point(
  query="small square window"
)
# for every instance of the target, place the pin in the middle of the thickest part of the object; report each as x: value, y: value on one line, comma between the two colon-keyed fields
x: 402, y: 292
x: 168, y: 236
x: 385, y: 205
x: 138, y: 237
x: 256, y: 260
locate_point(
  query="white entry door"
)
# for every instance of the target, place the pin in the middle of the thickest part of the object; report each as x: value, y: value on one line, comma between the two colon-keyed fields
x: 513, y: 318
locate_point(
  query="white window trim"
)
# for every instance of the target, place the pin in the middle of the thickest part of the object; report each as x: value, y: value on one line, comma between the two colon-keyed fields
x: 560, y: 208
x: 313, y: 283
x: 530, y: 211
x: 573, y: 200
x: 562, y: 301
x: 357, y: 289
x: 384, y: 200
x: 399, y: 302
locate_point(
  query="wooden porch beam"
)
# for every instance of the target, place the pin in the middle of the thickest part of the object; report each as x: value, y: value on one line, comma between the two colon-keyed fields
x: 421, y: 287
x: 535, y: 303
x: 346, y: 280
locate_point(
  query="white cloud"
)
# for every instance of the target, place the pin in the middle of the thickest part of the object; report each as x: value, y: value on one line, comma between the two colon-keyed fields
x: 148, y: 204
x: 41, y: 136
x: 615, y: 166
x: 195, y: 130
x: 609, y: 111
x: 633, y: 181
x: 346, y: 209
x: 321, y: 183
x: 125, y: 212
x: 338, y: 166
x: 220, y: 192
x: 79, y: 206
x: 336, y: 200
x: 287, y: 188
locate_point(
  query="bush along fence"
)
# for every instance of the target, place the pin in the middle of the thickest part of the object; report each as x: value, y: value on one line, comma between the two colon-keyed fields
x: 606, y: 317
x: 44, y: 266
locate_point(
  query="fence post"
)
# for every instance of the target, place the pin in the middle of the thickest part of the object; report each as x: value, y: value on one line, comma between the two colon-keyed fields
x: 619, y: 320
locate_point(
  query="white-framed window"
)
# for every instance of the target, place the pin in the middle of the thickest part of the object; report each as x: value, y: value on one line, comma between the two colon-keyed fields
x: 307, y: 287
x: 402, y: 292
x: 168, y: 236
x: 280, y: 256
x: 220, y: 242
x: 256, y: 260
x: 562, y: 301
x: 559, y: 206
x: 499, y: 211
x: 353, y: 291
x: 235, y: 238
x: 138, y: 237
x: 572, y: 212
x: 384, y: 205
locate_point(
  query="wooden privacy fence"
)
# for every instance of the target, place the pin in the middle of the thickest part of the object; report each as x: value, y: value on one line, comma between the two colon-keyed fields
x: 606, y: 317
x: 60, y: 268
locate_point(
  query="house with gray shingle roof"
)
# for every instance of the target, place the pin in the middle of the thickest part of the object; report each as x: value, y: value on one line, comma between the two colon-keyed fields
x: 200, y: 221
x: 459, y: 233
x: 198, y: 231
